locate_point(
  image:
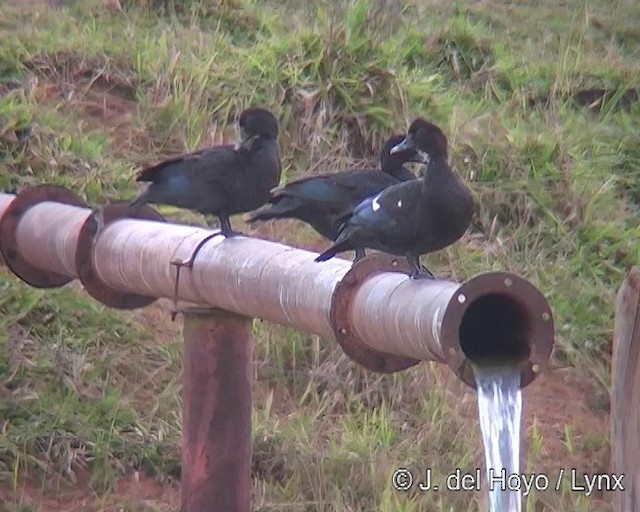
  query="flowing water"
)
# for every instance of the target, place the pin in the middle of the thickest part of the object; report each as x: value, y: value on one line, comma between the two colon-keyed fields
x: 500, y: 410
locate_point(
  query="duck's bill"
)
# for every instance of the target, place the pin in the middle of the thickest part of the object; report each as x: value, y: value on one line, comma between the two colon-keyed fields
x: 244, y: 141
x: 241, y: 143
x: 406, y: 144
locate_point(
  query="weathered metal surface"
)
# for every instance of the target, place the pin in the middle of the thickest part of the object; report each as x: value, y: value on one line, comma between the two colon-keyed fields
x: 84, y: 255
x: 38, y: 234
x: 248, y: 276
x: 346, y: 336
x: 216, y: 412
x: 386, y: 313
x: 493, y: 317
x: 389, y: 312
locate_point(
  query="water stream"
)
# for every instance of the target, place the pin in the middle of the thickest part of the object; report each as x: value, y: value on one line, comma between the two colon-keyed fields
x: 500, y: 410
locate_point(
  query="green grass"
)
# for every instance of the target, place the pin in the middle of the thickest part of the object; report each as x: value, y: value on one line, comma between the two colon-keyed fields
x: 100, y: 92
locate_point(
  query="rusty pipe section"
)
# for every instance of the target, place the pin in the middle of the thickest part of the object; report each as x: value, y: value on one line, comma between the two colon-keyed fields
x: 55, y: 242
x: 492, y: 319
x: 247, y: 276
x: 39, y: 234
x: 382, y: 319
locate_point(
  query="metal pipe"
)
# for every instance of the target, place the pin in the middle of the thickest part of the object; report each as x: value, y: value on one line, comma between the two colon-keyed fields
x: 42, y: 253
x: 382, y: 319
x: 56, y: 242
x: 248, y: 276
x: 494, y: 318
x: 216, y: 412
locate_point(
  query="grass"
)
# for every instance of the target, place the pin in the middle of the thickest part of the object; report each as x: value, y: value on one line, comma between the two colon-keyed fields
x: 89, y: 92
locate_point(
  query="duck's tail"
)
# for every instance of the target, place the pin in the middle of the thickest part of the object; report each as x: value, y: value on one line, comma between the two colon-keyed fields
x: 142, y: 199
x: 268, y: 212
x: 342, y: 244
x: 328, y: 254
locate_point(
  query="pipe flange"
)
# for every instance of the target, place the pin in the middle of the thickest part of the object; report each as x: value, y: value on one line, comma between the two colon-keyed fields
x: 538, y: 323
x: 354, y: 348
x: 9, y: 222
x: 84, y: 254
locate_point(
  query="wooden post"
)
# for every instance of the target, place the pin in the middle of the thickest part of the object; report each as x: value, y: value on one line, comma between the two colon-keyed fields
x: 216, y: 412
x: 625, y: 393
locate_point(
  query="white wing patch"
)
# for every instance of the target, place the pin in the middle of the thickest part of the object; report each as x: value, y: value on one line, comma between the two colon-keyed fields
x: 375, y: 205
x: 400, y: 203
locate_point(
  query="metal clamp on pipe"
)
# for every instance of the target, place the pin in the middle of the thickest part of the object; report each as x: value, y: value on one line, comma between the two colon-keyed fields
x: 89, y: 232
x: 187, y: 261
x: 28, y: 208
x: 343, y: 294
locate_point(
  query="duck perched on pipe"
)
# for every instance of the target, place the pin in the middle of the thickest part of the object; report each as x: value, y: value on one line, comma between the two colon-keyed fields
x: 414, y: 217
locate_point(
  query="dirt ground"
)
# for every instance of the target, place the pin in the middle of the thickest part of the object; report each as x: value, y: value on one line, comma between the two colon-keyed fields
x: 556, y: 398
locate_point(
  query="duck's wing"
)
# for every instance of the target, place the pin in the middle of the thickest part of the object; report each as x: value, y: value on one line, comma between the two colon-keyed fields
x: 187, y: 162
x: 337, y: 189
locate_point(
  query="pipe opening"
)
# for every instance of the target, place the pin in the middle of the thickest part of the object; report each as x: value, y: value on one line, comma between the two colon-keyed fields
x: 495, y: 330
